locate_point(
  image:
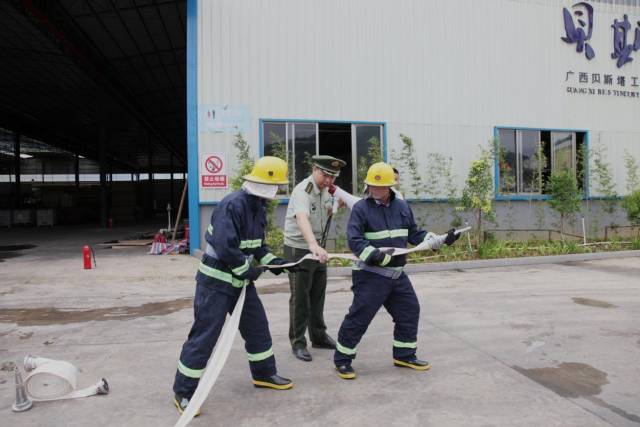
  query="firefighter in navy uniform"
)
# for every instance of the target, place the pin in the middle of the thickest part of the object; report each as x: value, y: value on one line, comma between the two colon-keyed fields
x: 234, y: 238
x: 382, y: 220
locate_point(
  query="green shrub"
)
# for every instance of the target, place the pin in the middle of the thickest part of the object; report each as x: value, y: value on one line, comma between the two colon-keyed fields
x: 631, y: 204
x: 275, y: 240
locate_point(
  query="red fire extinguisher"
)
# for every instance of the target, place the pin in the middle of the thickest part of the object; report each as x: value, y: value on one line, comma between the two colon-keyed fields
x: 86, y: 257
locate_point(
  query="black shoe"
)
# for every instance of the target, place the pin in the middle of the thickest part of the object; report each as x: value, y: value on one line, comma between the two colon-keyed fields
x: 417, y: 364
x: 346, y: 372
x: 181, y: 404
x: 302, y: 354
x: 327, y: 342
x: 275, y: 381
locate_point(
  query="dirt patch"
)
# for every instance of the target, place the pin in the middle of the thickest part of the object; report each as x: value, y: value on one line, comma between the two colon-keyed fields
x: 593, y: 303
x: 576, y: 380
x: 54, y: 316
x: 11, y: 251
x: 604, y: 268
x: 568, y: 379
x: 274, y: 288
x: 25, y: 335
x: 8, y: 255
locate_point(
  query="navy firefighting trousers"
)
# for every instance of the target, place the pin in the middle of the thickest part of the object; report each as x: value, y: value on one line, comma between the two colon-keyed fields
x: 210, y: 308
x: 370, y: 292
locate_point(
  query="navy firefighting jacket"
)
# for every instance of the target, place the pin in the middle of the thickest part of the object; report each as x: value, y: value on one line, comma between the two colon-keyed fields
x: 372, y: 225
x: 237, y: 231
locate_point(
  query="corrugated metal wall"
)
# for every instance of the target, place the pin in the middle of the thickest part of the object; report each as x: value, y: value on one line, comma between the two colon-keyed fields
x: 444, y: 72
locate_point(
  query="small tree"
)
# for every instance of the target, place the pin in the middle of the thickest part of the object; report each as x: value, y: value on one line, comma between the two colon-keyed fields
x: 244, y: 160
x: 542, y: 162
x: 631, y: 166
x: 602, y: 178
x: 409, y: 159
x: 477, y: 196
x: 564, y: 195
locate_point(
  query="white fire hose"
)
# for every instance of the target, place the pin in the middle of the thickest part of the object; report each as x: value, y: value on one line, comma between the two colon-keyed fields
x: 56, y: 380
x: 215, y: 364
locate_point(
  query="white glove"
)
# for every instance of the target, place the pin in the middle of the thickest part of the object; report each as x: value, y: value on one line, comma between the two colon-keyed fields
x: 434, y: 241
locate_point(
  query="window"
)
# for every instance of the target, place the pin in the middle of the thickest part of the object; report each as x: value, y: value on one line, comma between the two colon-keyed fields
x: 528, y: 157
x: 297, y: 142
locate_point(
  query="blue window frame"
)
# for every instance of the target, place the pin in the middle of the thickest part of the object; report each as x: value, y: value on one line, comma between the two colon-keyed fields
x: 298, y: 140
x: 526, y: 158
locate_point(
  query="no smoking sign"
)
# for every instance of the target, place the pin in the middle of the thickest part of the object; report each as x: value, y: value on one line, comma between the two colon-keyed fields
x: 213, y: 164
x: 213, y: 171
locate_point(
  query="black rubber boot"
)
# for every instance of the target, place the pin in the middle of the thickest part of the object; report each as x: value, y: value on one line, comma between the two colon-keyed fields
x: 275, y: 381
x: 346, y: 372
x: 417, y: 364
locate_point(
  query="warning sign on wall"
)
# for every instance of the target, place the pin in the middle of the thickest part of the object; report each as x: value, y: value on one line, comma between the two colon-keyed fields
x: 213, y: 171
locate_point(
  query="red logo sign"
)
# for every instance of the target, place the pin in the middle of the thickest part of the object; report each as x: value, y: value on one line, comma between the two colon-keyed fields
x: 214, y: 181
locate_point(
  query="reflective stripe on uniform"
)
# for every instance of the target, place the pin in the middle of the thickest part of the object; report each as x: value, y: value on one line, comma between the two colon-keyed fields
x: 401, y: 344
x: 188, y: 372
x: 238, y: 271
x: 210, y: 229
x: 267, y: 258
x: 250, y: 244
x: 385, y: 234
x: 386, y: 260
x: 345, y: 350
x: 366, y: 252
x: 221, y: 275
x: 256, y: 357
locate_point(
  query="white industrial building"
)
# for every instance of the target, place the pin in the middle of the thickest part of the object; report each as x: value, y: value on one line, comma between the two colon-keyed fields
x: 327, y: 76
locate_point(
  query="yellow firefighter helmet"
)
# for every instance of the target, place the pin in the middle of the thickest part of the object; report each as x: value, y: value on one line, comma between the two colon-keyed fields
x: 269, y: 170
x: 380, y: 175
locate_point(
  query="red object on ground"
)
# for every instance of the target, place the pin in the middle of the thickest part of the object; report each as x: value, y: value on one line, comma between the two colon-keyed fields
x: 86, y: 257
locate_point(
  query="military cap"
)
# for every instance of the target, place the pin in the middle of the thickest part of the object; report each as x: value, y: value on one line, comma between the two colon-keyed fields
x: 328, y: 164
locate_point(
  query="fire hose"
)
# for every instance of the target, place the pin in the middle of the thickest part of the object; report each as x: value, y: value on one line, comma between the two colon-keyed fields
x: 215, y: 364
x: 56, y: 380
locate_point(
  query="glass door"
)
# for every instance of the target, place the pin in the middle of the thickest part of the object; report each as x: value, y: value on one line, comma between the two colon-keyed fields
x: 366, y: 151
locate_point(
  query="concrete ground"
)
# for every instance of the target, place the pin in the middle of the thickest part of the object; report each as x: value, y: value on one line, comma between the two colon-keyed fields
x: 544, y: 345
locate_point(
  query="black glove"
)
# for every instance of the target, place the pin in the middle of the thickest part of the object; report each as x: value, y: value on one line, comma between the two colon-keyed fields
x: 452, y: 236
x: 377, y: 256
x: 253, y: 273
x: 278, y: 261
